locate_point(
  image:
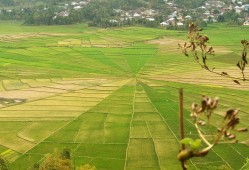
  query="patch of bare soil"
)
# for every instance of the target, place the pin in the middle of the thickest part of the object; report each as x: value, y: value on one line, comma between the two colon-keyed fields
x: 28, y: 95
x: 13, y: 37
x: 165, y: 41
x: 171, y: 42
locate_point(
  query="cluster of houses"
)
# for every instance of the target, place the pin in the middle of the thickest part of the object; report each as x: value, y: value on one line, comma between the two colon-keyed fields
x: 209, y: 12
x: 144, y: 13
x: 65, y: 8
x: 76, y: 5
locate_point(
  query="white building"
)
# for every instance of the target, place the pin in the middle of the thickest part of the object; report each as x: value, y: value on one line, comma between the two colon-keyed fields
x: 77, y: 7
x: 164, y: 24
x: 74, y: 3
x: 83, y: 3
x: 239, y: 2
x: 246, y: 7
x: 150, y: 19
x: 246, y: 23
x: 207, y: 13
x: 64, y: 14
x: 113, y: 21
x: 202, y: 7
x: 179, y: 24
x: 188, y: 17
x: 136, y: 15
x: 238, y: 9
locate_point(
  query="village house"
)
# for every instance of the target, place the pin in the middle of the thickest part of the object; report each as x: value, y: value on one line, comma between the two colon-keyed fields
x: 179, y: 24
x: 246, y: 7
x: 117, y: 10
x: 136, y: 15
x: 239, y: 3
x: 188, y: 17
x: 164, y: 24
x: 148, y: 12
x: 238, y: 9
x: 77, y: 7
x: 246, y: 23
x: 83, y: 3
x: 150, y: 19
x: 113, y: 21
x: 63, y: 14
x: 74, y: 3
x: 202, y: 7
x: 170, y: 4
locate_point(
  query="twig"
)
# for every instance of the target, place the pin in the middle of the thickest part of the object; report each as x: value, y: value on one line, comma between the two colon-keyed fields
x: 198, y: 43
x: 183, y: 163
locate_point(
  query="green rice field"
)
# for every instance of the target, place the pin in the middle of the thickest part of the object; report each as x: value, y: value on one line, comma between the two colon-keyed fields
x: 111, y: 96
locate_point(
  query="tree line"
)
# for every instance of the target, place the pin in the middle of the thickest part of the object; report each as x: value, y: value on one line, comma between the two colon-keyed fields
x: 101, y: 13
x: 97, y: 13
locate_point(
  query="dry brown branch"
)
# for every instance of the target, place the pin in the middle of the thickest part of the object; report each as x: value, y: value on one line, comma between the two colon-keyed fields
x: 206, y: 108
x: 199, y: 49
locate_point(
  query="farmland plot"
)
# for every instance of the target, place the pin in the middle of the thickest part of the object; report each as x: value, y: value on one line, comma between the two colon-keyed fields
x: 110, y: 96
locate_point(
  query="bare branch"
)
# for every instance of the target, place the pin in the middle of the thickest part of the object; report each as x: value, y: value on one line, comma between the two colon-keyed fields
x: 198, y: 47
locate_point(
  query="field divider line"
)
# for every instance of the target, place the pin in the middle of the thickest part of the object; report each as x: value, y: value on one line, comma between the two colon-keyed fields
x: 152, y: 55
x: 22, y: 137
x: 82, y: 157
x: 104, y: 123
x: 99, y: 50
x: 242, y: 168
x: 164, y: 120
x: 138, y: 61
x: 199, y: 163
x: 24, y: 83
x: 237, y: 151
x: 91, y: 159
x: 112, y: 60
x: 174, y: 110
x: 133, y: 108
x: 33, y: 89
x: 168, y: 126
x: 83, y: 143
x: 221, y: 104
x: 158, y: 159
x: 5, y: 89
x: 47, y: 97
x: 212, y: 149
x: 99, y: 157
x: 76, y: 148
x: 211, y: 124
x: 75, y: 118
x: 75, y: 138
x: 59, y: 94
x: 225, y: 99
x: 222, y: 159
x: 129, y: 70
x: 55, y: 132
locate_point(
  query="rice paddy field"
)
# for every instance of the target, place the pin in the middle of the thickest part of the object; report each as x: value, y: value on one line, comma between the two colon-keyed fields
x: 111, y: 96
